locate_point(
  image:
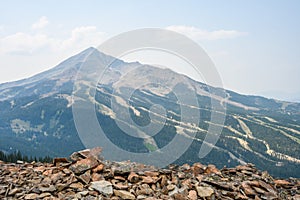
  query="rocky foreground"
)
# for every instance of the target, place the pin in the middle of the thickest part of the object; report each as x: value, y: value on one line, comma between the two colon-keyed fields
x: 86, y: 176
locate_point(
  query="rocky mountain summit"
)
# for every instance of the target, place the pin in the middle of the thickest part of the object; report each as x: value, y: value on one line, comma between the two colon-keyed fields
x: 85, y: 175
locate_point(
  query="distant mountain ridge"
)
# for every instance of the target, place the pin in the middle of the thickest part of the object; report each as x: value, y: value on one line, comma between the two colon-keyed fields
x: 36, y: 115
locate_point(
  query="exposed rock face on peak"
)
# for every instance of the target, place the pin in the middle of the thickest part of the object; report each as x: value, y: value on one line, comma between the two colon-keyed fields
x: 87, y: 176
x: 36, y: 115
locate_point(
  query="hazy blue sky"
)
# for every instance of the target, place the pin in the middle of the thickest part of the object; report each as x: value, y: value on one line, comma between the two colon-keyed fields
x: 254, y: 44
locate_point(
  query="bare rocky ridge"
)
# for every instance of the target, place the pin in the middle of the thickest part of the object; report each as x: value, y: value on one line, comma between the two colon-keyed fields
x: 85, y: 175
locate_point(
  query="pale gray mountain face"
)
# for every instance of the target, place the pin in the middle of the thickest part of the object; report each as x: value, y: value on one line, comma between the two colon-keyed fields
x: 36, y: 114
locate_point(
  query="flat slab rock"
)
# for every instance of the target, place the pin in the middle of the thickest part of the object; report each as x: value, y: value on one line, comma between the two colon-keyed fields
x: 85, y: 175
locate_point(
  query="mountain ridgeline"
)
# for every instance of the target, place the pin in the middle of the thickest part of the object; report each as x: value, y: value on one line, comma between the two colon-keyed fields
x: 36, y: 115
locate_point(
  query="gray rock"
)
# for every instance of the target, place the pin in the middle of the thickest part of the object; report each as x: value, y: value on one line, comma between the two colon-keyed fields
x: 104, y: 187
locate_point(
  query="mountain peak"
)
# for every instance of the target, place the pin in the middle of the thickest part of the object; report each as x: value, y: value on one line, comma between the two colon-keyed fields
x: 90, y: 49
x: 88, y: 52
x: 37, y: 116
x: 67, y: 68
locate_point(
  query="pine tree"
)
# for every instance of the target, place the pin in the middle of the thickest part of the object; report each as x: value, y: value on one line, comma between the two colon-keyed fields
x: 17, y: 155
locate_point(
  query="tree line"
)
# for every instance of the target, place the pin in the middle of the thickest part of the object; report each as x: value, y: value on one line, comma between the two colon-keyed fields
x: 18, y: 156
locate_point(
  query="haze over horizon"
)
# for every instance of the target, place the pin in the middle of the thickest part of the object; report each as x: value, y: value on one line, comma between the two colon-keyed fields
x: 254, y: 45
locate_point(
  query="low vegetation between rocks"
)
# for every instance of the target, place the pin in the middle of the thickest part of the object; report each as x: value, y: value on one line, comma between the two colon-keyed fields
x: 85, y: 175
